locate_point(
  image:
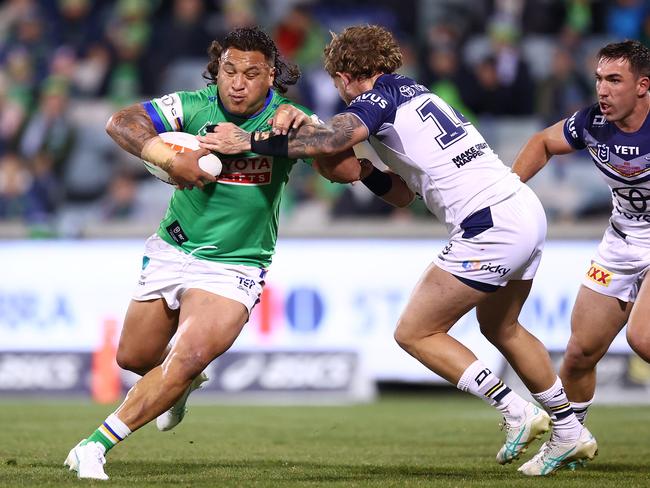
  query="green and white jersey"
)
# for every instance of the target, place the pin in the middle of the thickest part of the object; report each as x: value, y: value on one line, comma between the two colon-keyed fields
x: 234, y: 220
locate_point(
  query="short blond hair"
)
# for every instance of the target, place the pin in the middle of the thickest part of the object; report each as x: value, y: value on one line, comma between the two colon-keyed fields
x: 362, y: 52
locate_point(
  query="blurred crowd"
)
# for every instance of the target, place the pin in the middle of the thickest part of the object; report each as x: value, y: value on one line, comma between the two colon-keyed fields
x: 511, y: 66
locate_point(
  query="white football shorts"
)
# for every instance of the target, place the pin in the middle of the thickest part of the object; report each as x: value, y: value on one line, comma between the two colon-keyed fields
x: 168, y: 273
x: 618, y: 267
x: 497, y: 244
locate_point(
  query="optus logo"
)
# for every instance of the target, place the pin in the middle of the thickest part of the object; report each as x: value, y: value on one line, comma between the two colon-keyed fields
x: 492, y: 268
x: 468, y: 265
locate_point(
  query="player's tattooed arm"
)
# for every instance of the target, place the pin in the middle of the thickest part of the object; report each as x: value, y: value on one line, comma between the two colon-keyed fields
x: 131, y: 128
x: 342, y: 132
x: 309, y: 140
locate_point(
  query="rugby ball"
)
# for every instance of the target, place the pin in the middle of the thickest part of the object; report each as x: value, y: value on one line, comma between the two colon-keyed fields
x: 182, y: 142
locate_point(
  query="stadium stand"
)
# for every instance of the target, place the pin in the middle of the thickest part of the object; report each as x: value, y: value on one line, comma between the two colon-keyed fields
x: 66, y: 65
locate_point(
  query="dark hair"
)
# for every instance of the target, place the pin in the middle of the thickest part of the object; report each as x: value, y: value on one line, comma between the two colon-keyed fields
x: 252, y: 39
x: 633, y: 52
x: 362, y: 51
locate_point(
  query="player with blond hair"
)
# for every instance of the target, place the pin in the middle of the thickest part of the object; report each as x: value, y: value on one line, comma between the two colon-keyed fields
x: 496, y: 224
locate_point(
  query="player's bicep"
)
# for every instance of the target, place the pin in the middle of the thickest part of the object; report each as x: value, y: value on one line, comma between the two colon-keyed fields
x: 129, y: 117
x: 131, y: 127
x: 351, y: 129
x: 555, y: 141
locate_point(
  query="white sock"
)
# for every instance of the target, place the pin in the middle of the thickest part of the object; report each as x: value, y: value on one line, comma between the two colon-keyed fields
x: 109, y: 433
x: 566, y: 426
x: 580, y: 409
x: 478, y: 380
x: 119, y: 427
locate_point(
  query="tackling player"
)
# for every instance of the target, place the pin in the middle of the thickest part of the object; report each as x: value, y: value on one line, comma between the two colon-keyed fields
x: 616, y: 132
x: 203, y: 270
x: 497, y: 228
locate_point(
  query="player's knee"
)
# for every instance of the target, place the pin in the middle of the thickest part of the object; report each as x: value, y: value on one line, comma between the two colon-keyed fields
x: 129, y: 361
x: 577, y: 358
x: 403, y: 334
x: 639, y: 340
x: 184, y: 367
x: 409, y: 332
x: 497, y: 333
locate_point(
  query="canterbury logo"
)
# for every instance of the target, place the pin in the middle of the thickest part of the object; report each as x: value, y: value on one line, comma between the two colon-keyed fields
x: 599, y: 275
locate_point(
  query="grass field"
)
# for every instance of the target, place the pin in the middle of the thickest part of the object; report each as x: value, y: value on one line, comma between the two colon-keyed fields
x: 426, y: 440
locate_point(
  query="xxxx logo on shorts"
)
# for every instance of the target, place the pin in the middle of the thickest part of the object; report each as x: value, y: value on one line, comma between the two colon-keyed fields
x: 599, y: 274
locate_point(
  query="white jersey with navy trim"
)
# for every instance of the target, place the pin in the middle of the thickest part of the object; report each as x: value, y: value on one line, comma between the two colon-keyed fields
x: 623, y: 159
x: 439, y: 154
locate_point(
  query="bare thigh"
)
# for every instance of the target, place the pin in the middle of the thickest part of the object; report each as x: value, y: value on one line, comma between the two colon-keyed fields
x: 148, y: 328
x: 437, y: 302
x: 501, y: 309
x: 595, y: 321
x: 208, y: 326
x: 638, y: 325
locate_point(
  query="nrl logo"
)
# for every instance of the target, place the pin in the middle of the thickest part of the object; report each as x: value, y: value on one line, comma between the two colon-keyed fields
x: 602, y: 153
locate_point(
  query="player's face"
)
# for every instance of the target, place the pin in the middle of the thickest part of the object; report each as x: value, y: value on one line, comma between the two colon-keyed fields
x: 618, y: 89
x: 244, y: 80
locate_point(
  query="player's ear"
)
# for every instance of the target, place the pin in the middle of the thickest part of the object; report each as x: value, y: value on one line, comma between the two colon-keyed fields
x: 643, y: 85
x: 345, y: 78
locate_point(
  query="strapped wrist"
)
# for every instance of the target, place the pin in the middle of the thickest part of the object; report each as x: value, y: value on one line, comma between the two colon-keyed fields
x: 158, y: 152
x: 264, y: 143
x: 378, y: 182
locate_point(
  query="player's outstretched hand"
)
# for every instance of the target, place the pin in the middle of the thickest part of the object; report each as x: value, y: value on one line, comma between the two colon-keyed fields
x: 286, y: 118
x: 185, y: 170
x: 226, y: 138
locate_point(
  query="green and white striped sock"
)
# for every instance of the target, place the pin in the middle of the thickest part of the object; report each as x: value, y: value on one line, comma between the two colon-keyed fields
x: 112, y: 431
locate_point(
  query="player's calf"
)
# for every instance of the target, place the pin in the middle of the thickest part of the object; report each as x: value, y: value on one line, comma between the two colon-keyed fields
x: 172, y: 417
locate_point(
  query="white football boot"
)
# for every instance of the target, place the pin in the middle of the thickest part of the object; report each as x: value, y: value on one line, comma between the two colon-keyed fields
x: 172, y: 417
x: 519, y: 437
x: 554, y: 455
x: 87, y: 460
